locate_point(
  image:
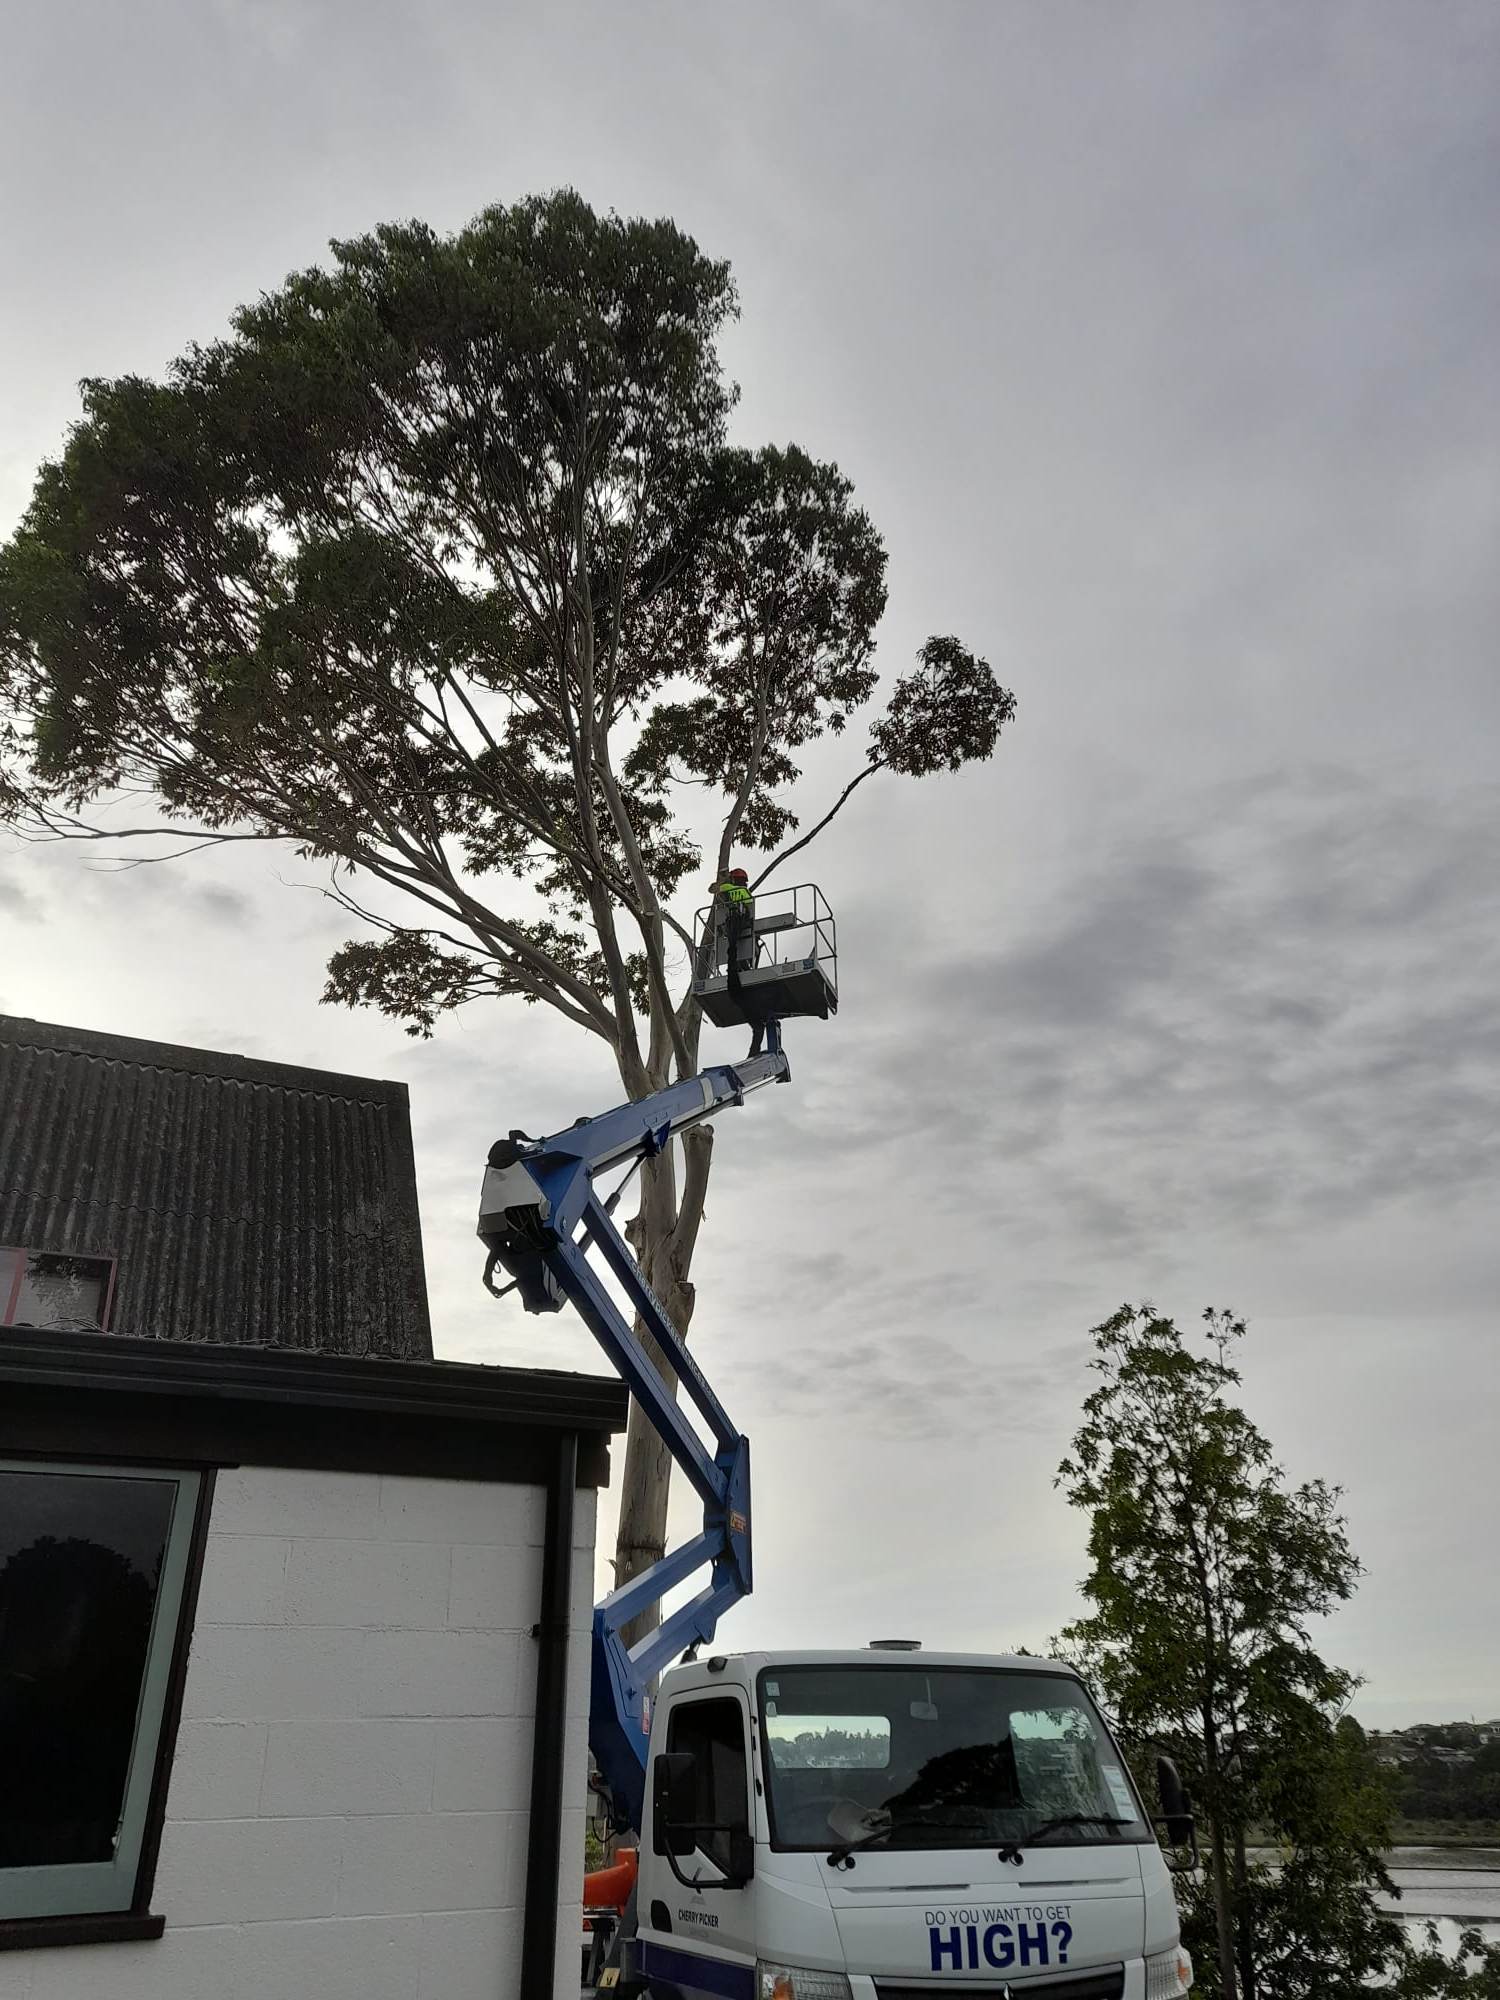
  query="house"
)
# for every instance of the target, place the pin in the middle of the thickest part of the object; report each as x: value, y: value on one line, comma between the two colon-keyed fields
x: 294, y: 1643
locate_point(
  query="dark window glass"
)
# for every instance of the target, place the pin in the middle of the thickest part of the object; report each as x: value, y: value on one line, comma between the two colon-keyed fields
x: 80, y: 1566
x: 714, y: 1731
x: 934, y: 1756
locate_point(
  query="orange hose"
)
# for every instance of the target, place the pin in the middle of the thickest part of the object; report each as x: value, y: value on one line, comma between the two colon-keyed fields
x: 609, y: 1888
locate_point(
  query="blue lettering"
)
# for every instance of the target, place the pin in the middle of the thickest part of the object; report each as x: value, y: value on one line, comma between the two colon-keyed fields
x: 940, y: 1946
x: 1032, y: 1938
x: 1063, y: 1932
x: 998, y: 1948
x: 973, y: 1947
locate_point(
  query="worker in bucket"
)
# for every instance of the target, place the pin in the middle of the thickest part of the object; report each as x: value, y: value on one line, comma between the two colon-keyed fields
x: 732, y: 925
x: 732, y: 931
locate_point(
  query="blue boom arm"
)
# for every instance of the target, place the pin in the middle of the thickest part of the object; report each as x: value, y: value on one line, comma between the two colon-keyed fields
x: 540, y: 1215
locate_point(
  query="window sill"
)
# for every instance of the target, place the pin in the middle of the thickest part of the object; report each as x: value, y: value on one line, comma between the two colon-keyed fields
x: 39, y: 1933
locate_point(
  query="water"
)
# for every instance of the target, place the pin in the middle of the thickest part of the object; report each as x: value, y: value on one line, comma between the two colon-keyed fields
x: 1458, y: 1886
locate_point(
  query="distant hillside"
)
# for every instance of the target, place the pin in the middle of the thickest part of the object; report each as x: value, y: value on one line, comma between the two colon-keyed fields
x: 1442, y: 1770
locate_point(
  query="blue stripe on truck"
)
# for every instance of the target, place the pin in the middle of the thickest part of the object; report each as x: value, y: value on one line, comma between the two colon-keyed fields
x: 697, y: 1975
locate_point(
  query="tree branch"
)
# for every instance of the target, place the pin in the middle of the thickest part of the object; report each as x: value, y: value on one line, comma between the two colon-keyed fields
x: 813, y: 832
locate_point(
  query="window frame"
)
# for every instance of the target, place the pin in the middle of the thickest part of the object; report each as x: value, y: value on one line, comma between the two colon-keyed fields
x: 11, y: 1298
x: 84, y: 1902
x: 685, y: 1706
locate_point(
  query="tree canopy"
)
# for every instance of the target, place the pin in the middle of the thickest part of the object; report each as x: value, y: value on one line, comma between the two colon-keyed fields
x: 1206, y: 1573
x: 443, y: 567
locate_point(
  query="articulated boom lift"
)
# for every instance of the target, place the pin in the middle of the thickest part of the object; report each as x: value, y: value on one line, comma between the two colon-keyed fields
x: 541, y: 1215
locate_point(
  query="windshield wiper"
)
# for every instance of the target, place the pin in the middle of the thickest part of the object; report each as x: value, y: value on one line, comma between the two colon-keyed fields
x: 1011, y: 1851
x: 837, y: 1856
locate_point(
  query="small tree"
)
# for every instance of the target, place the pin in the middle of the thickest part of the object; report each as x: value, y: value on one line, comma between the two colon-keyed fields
x: 442, y: 570
x: 1205, y: 1570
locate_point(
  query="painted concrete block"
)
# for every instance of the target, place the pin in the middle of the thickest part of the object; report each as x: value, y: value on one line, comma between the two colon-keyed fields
x: 280, y: 1500
x: 427, y: 1861
x: 482, y: 1764
x: 460, y: 1510
x: 220, y: 1871
x: 371, y: 1584
x: 338, y: 1764
x: 244, y: 1580
x: 437, y: 1673
x: 216, y: 1772
x: 195, y: 1964
x: 495, y: 1586
x: 348, y: 1958
x: 474, y: 1955
x: 271, y: 1673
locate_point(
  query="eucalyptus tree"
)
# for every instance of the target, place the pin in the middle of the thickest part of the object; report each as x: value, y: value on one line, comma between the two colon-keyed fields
x: 441, y: 568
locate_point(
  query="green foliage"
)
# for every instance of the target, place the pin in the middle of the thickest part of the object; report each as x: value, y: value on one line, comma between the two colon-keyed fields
x: 441, y: 568
x: 1430, y: 1972
x: 1461, y: 1790
x: 1206, y: 1570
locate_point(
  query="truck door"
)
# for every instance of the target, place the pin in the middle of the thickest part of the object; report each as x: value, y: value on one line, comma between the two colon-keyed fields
x: 692, y: 1935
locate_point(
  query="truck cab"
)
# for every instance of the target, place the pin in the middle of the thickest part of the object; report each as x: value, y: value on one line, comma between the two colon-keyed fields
x: 890, y: 1824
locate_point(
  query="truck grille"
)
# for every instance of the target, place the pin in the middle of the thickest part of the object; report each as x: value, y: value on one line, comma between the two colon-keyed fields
x: 1107, y: 1983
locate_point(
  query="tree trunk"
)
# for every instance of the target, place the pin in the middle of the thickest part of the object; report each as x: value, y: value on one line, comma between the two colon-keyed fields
x: 641, y: 1538
x: 1219, y: 1861
x: 663, y: 1249
x: 1228, y: 1979
x: 1245, y: 1941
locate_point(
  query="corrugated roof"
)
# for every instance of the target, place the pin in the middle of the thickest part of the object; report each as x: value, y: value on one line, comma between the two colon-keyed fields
x: 244, y: 1201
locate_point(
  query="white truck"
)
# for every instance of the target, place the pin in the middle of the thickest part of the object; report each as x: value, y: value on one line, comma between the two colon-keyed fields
x: 876, y: 1825
x: 893, y: 1824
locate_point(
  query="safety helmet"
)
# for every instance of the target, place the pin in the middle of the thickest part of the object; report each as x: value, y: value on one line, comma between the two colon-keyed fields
x: 738, y: 875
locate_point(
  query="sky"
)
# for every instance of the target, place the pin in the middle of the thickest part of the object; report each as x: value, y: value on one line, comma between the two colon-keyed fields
x: 1159, y: 342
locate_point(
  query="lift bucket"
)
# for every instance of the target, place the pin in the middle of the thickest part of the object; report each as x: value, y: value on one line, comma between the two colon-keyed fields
x: 773, y: 958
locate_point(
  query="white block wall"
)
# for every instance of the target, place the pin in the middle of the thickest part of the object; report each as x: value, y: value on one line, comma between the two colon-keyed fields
x: 347, y: 1818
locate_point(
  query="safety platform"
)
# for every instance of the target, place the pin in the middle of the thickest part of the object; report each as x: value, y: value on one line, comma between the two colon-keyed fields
x: 772, y: 959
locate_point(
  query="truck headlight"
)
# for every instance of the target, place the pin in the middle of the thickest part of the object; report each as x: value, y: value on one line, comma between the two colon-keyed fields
x: 797, y: 1982
x: 1168, y: 1974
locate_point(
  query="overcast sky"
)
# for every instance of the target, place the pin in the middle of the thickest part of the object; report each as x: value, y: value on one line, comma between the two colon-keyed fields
x: 1160, y: 340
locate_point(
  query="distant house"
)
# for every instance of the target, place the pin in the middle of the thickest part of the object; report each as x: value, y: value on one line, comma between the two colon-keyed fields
x: 181, y: 1194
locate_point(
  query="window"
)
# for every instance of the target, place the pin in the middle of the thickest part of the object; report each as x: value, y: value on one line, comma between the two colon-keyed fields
x: 714, y: 1731
x: 828, y: 1742
x: 56, y: 1290
x: 94, y: 1564
x: 939, y: 1756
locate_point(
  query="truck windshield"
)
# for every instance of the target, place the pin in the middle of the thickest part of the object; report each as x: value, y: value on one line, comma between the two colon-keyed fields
x: 939, y: 1757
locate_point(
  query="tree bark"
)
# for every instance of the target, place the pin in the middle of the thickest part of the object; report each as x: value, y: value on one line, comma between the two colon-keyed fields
x: 1219, y: 1858
x: 663, y: 1237
x: 1228, y: 1977
x: 645, y: 1483
x: 1244, y: 1940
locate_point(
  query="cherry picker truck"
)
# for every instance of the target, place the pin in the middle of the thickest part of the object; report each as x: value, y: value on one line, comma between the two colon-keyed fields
x: 886, y: 1823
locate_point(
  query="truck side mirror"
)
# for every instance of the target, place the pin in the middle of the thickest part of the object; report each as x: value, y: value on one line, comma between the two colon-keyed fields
x: 741, y: 1856
x: 673, y: 1802
x: 1176, y: 1807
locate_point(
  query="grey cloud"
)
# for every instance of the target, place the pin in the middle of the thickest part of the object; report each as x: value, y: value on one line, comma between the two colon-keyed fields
x: 17, y: 903
x: 1159, y: 343
x: 1280, y: 1005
